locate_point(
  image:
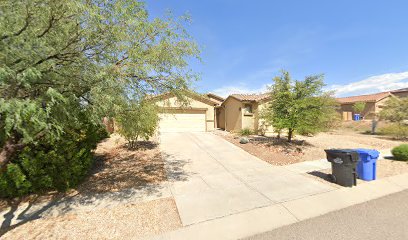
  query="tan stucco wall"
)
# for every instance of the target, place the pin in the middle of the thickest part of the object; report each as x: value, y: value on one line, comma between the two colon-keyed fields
x: 233, y: 114
x: 220, y: 117
x: 237, y: 119
x: 248, y: 119
x: 172, y: 102
x: 260, y: 124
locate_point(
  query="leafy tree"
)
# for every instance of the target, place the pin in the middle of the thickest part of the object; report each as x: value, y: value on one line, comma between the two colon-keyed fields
x: 140, y: 120
x: 300, y: 106
x: 359, y: 107
x: 395, y: 110
x: 62, y: 59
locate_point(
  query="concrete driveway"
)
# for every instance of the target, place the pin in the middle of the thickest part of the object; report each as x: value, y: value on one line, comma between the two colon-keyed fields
x: 212, y: 178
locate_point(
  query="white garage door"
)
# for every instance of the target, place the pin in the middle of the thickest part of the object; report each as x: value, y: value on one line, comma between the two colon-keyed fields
x: 191, y: 121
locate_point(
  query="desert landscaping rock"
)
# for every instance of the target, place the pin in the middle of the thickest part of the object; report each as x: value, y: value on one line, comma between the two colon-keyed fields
x: 280, y: 152
x: 126, y: 221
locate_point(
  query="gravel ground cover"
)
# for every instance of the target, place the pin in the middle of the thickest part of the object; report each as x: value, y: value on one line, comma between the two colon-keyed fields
x: 123, y: 197
x: 126, y: 221
x: 280, y: 152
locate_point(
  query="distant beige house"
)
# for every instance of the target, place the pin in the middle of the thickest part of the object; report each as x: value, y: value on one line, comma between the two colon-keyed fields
x: 374, y: 103
x: 240, y: 111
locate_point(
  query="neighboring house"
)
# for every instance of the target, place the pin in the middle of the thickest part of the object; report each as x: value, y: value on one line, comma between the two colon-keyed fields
x: 198, y: 115
x: 240, y: 111
x: 374, y: 103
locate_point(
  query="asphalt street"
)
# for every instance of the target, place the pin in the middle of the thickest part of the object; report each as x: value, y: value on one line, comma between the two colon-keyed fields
x: 383, y: 218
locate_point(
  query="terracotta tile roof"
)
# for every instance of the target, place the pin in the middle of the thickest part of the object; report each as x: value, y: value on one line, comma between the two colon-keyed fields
x: 364, y: 98
x: 197, y: 96
x: 215, y: 97
x: 251, y: 97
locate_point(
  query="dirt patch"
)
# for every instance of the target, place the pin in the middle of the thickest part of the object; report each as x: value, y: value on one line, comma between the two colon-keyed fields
x: 272, y: 150
x: 105, y: 205
x: 338, y: 139
x: 122, y: 222
x: 117, y: 168
x: 387, y: 168
x: 280, y: 152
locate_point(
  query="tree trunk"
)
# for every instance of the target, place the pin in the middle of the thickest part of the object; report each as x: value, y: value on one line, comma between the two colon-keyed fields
x: 374, y: 126
x: 9, y: 148
x: 290, y: 134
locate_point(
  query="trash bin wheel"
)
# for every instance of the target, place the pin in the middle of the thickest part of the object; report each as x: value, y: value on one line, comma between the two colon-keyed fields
x: 333, y: 178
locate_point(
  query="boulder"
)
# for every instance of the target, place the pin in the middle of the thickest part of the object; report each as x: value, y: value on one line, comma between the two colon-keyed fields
x: 244, y: 140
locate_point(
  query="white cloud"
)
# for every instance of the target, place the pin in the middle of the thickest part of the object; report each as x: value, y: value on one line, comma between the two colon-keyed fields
x: 240, y: 88
x: 374, y: 84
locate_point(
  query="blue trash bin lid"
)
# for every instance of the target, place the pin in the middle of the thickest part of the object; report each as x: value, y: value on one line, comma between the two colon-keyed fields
x: 371, y: 152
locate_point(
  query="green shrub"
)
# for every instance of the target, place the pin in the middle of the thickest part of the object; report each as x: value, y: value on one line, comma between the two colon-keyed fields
x: 139, y: 121
x: 245, y: 132
x: 56, y: 165
x: 400, y: 152
x: 395, y: 130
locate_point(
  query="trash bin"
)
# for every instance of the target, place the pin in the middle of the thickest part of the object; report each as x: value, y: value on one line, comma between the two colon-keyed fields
x: 367, y: 166
x: 357, y: 117
x: 344, y: 162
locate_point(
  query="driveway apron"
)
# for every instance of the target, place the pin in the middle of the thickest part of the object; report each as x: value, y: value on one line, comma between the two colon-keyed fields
x: 212, y: 178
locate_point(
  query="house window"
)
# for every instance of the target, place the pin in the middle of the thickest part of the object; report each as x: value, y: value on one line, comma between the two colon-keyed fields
x: 248, y: 109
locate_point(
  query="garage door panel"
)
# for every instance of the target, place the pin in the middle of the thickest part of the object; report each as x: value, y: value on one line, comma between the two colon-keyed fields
x: 182, y: 122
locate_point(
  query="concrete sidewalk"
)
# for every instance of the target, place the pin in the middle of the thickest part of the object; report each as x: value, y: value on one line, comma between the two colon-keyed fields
x: 226, y: 193
x: 267, y: 218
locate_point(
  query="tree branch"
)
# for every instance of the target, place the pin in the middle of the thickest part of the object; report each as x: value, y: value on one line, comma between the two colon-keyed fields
x: 48, y: 28
x: 27, y: 20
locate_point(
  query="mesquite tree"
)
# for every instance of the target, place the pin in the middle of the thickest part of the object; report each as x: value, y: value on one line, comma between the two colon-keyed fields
x: 61, y: 58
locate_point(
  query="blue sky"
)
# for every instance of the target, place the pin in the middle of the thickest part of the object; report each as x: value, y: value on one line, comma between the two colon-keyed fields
x: 361, y: 46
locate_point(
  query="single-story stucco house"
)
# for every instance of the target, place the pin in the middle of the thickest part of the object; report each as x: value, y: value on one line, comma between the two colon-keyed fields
x: 197, y: 116
x: 206, y: 112
x: 374, y: 103
x: 240, y: 111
